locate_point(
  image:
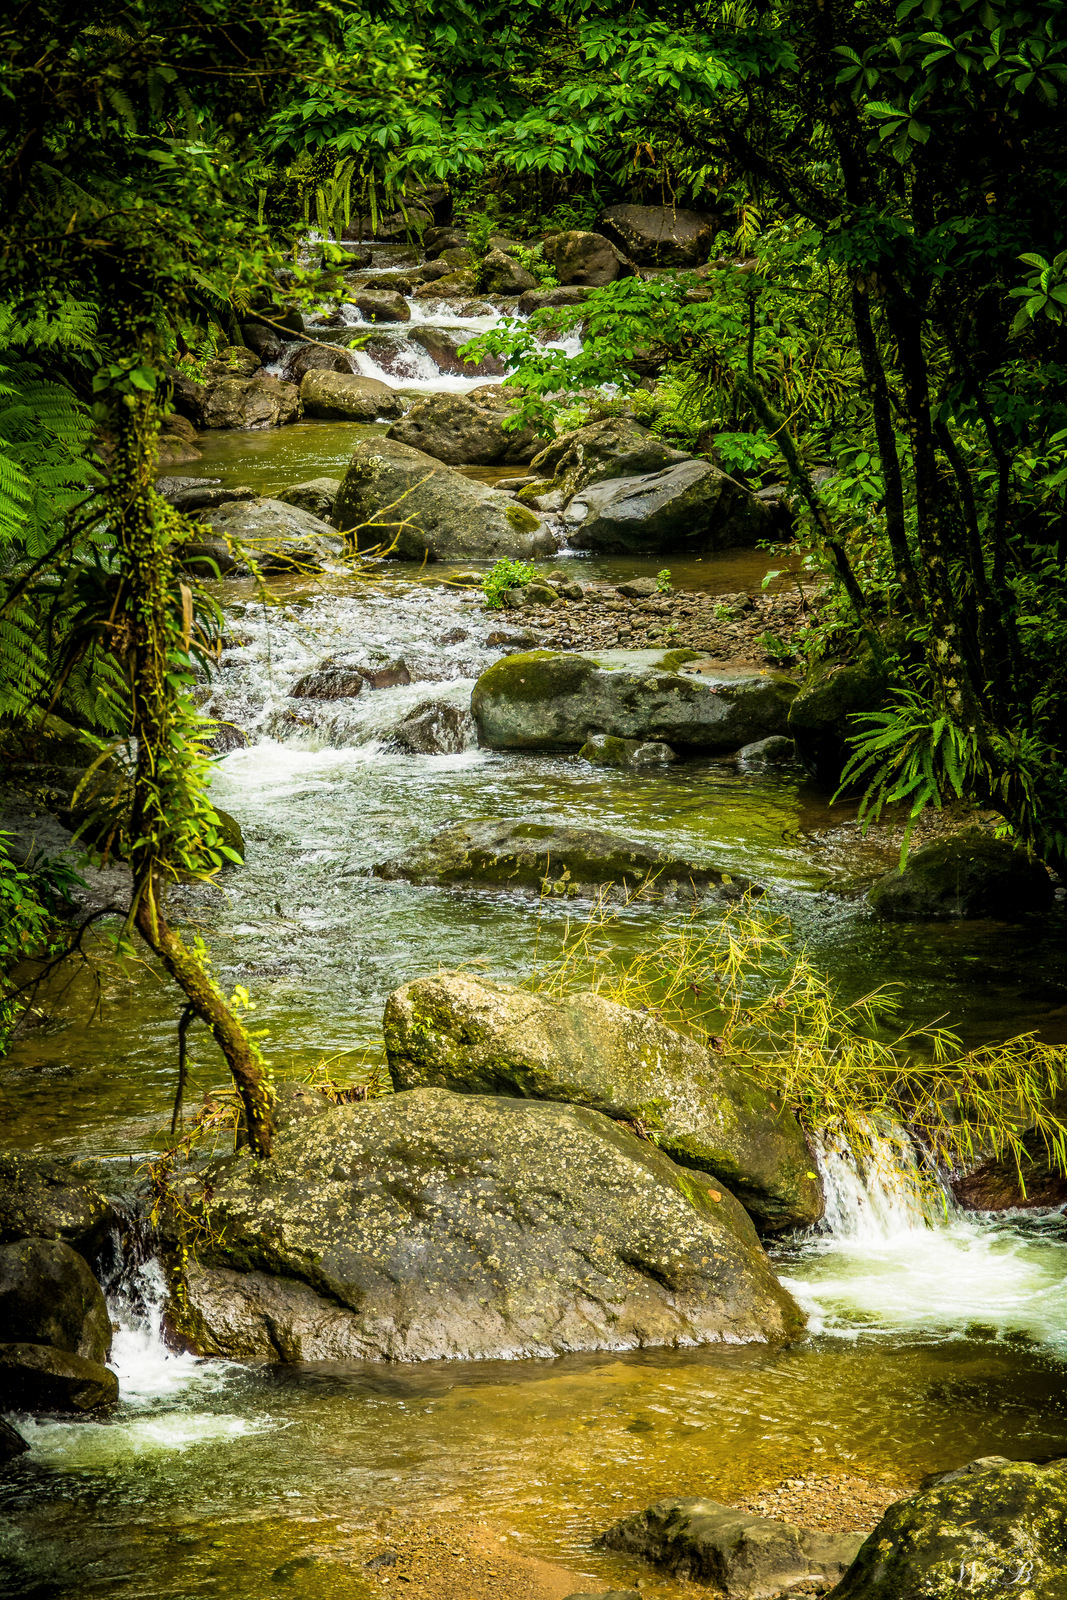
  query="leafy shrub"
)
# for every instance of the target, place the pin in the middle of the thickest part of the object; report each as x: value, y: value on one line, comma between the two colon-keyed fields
x: 504, y: 576
x: 27, y: 929
x: 663, y: 581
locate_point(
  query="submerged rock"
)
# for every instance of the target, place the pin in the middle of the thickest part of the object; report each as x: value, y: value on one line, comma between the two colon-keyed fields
x: 970, y: 875
x: 48, y: 1296
x: 556, y: 701
x: 458, y: 1032
x: 12, y: 1443
x: 547, y: 858
x: 391, y: 491
x: 428, y: 1225
x: 604, y: 750
x: 434, y: 728
x: 465, y: 429
x: 279, y: 537
x: 994, y: 1527
x: 748, y: 1557
x: 443, y: 347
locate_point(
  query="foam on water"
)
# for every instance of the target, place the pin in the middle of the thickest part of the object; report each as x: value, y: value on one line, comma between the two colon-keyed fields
x: 901, y: 1257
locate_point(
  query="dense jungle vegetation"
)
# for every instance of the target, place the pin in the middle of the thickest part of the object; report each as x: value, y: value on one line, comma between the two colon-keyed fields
x: 886, y: 314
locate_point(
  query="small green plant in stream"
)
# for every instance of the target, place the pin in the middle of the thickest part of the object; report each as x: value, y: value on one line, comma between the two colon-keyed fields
x: 663, y: 581
x: 504, y: 576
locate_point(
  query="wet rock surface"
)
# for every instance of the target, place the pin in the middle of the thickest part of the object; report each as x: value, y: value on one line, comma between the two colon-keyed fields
x: 602, y: 750
x: 49, y: 1296
x: 434, y: 728
x: 48, y: 1199
x: 970, y: 875
x: 465, y: 430
x: 279, y: 537
x: 38, y: 1377
x: 544, y: 700
x: 471, y: 1035
x: 660, y: 236
x: 687, y: 507
x: 317, y: 496
x: 429, y: 1225
x: 345, y: 397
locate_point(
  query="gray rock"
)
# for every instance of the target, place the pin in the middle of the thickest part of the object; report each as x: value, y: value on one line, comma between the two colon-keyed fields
x: 262, y: 341
x: 545, y: 700
x: 344, y: 397
x: 391, y: 491
x: 307, y: 358
x: 688, y: 507
x: 37, y: 1377
x: 971, y: 875
x: 751, y: 1558
x: 280, y: 537
x: 638, y: 589
x: 585, y: 258
x: 571, y: 294
x: 386, y: 306
x: 200, y: 494
x: 501, y: 274
x: 206, y: 558
x: 777, y: 751
x: 427, y: 1225
x: 317, y: 495
x: 660, y: 236
x: 252, y: 403
x: 617, y: 447
x: 991, y: 1528
x: 328, y: 683
x: 604, y: 750
x: 12, y: 1443
x: 49, y: 1296
x: 455, y: 285
x: 47, y: 1199
x: 548, y: 858
x: 437, y: 240
x: 443, y: 347
x: 466, y: 1033
x: 436, y: 727
x: 466, y: 429
x: 821, y: 718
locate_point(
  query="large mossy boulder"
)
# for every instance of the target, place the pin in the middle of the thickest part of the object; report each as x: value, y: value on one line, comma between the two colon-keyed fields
x: 688, y: 508
x: 587, y: 259
x: 466, y: 429
x: 48, y: 1295
x: 746, y: 1557
x: 660, y: 236
x: 615, y: 447
x: 261, y: 401
x: 547, y: 700
x: 38, y: 1377
x: 391, y: 492
x: 429, y: 1225
x: 989, y: 1529
x: 455, y: 1031
x: 970, y: 875
x: 546, y: 858
x: 821, y: 716
x: 347, y: 397
x: 47, y: 1199
x: 278, y: 537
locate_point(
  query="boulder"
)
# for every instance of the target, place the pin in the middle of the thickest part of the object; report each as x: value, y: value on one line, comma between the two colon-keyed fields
x: 459, y: 285
x: 617, y: 447
x: 466, y: 429
x: 206, y: 558
x: 433, y: 511
x: 200, y: 494
x: 821, y: 717
x: 547, y: 700
x: 12, y: 1443
x: 257, y: 402
x: 344, y: 397
x: 329, y: 683
x: 777, y: 751
x: 384, y: 305
x: 547, y: 858
x: 587, y: 259
x: 37, y: 1377
x: 464, y: 1033
x: 263, y: 342
x: 427, y: 1225
x: 48, y: 1296
x: 748, y: 1557
x: 443, y: 347
x: 604, y: 750
x: 434, y: 728
x: 502, y: 274
x: 970, y: 875
x: 638, y: 589
x: 531, y: 300
x: 177, y: 441
x: 315, y: 358
x: 47, y: 1199
x: 685, y: 508
x: 994, y: 1527
x: 316, y: 496
x: 660, y: 236
x: 232, y: 361
x: 437, y: 240
x: 281, y: 538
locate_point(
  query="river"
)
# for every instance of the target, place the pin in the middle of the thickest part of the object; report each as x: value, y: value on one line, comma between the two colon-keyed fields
x: 933, y: 1336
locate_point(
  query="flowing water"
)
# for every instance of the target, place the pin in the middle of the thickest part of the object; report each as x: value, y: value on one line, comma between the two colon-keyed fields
x: 933, y: 1336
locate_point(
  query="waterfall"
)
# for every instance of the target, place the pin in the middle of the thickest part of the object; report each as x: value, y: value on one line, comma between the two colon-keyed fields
x: 883, y: 1192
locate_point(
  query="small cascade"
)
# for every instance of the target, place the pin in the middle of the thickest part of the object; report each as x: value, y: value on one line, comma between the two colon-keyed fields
x: 884, y: 1191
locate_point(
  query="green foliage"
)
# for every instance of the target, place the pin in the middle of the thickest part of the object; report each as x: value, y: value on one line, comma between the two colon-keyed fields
x: 28, y: 929
x: 663, y: 581
x: 505, y: 575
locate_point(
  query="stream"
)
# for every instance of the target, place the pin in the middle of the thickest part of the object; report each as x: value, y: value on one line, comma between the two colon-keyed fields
x: 934, y: 1336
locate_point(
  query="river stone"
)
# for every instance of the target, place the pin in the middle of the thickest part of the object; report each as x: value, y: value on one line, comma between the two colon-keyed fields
x: 821, y: 717
x: 548, y: 700
x: 263, y: 341
x: 777, y: 751
x: 660, y: 236
x: 434, y: 728
x: 746, y: 1556
x: 607, y: 1594
x: 344, y: 397
x: 994, y: 1183
x: 12, y: 1443
x: 177, y: 440
x: 384, y: 306
x: 443, y: 347
x: 317, y: 495
x: 455, y: 1031
x: 617, y: 447
x: 571, y: 294
x: 546, y: 858
x: 48, y: 1199
x: 257, y: 402
x: 281, y: 538
x: 466, y: 429
x: 688, y: 507
x: 433, y: 510
x: 1002, y: 1524
x: 328, y: 683
x: 49, y: 1296
x: 427, y: 1225
x: 461, y: 285
x: 585, y: 258
x: 502, y: 274
x: 971, y: 875
x: 200, y: 494
x: 305, y: 358
x: 604, y: 750
x: 37, y: 1377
